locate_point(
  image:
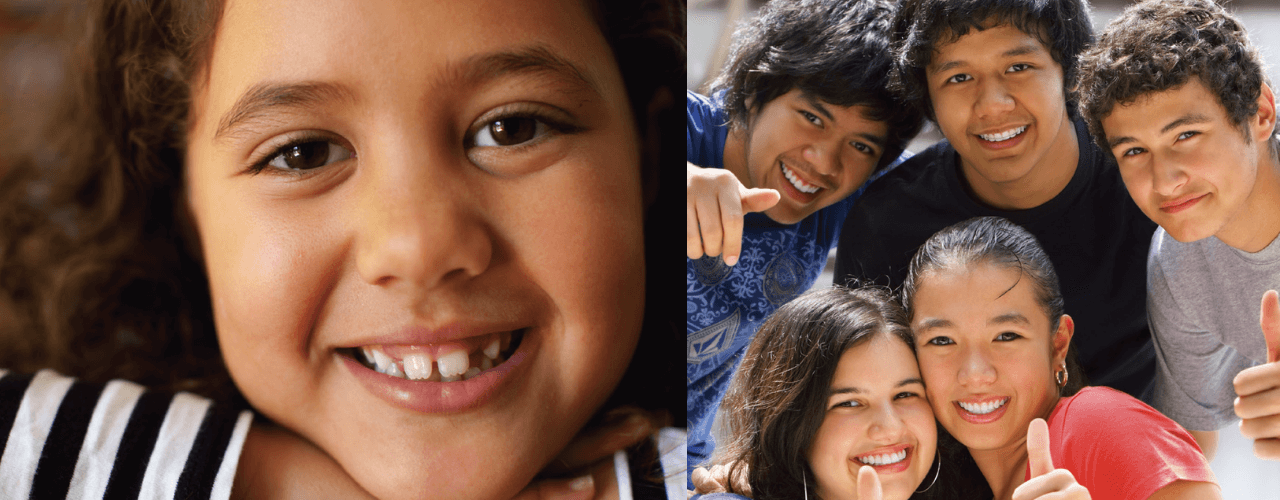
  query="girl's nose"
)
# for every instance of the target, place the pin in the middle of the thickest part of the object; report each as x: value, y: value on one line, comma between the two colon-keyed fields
x: 886, y: 426
x: 976, y: 370
x: 418, y: 227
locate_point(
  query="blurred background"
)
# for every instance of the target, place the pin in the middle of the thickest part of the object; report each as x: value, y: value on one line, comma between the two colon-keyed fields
x: 711, y: 22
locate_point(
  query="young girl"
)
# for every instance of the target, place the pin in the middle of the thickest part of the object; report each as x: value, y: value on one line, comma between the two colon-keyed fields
x: 992, y: 341
x: 415, y: 230
x: 830, y: 384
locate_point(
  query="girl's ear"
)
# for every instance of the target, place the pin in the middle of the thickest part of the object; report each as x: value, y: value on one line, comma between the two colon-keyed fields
x: 1062, y: 339
x: 659, y: 112
x: 1265, y: 119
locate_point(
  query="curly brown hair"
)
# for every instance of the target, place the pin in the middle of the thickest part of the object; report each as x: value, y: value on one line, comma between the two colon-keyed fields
x: 100, y: 267
x: 1157, y: 45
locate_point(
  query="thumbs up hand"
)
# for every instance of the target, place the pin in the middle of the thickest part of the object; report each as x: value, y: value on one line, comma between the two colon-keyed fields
x: 869, y: 484
x: 1046, y: 482
x: 1258, y: 388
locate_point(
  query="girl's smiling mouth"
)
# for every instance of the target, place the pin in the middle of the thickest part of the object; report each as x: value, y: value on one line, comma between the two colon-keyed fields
x: 441, y: 378
x: 438, y: 363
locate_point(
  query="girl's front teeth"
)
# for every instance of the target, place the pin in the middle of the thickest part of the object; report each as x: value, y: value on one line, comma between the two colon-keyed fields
x: 450, y: 367
x: 891, y: 458
x: 983, y: 408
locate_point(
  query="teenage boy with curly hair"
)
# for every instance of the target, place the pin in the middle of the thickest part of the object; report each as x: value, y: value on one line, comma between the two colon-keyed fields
x: 1177, y: 94
x: 798, y: 120
x: 994, y: 75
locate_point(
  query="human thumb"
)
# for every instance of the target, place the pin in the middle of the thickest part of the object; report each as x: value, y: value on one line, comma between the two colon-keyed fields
x: 758, y: 200
x: 869, y: 484
x: 1038, y: 456
x: 1270, y: 319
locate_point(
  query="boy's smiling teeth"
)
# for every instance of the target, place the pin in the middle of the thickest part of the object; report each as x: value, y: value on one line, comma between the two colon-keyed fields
x: 1003, y: 136
x: 447, y: 365
x: 983, y: 408
x: 795, y: 180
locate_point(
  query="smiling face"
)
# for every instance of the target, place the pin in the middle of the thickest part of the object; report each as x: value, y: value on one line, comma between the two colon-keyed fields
x: 1188, y: 167
x: 987, y: 353
x: 997, y: 95
x: 876, y: 415
x: 422, y: 227
x: 815, y: 154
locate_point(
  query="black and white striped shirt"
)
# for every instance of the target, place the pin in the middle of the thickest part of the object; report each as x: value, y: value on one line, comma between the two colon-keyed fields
x: 63, y: 438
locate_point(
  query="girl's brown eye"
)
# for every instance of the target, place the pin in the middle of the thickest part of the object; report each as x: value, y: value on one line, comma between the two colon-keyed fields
x: 510, y: 131
x: 308, y: 155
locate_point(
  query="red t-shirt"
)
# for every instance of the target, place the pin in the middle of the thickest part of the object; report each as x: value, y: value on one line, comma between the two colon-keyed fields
x: 1120, y: 448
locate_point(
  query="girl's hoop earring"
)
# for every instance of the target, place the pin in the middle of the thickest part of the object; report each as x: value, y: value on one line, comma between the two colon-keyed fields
x: 937, y: 458
x: 1062, y: 376
x: 805, y: 477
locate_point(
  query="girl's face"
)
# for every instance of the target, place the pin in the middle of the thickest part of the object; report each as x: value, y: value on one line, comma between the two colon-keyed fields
x: 876, y: 415
x: 987, y: 353
x: 421, y: 223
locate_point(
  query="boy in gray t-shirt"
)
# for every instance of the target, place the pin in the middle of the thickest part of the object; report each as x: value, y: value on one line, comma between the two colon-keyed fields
x: 1177, y: 95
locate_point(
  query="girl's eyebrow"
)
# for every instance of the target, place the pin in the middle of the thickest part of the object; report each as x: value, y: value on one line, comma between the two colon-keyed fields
x: 536, y: 60
x: 264, y: 97
x: 857, y: 390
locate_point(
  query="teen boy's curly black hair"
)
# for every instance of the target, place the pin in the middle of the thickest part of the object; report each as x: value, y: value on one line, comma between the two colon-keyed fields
x: 836, y: 51
x: 1063, y: 26
x: 1158, y: 45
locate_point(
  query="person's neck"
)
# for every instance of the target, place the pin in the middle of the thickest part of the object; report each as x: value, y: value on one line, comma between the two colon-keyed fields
x: 735, y: 155
x: 1041, y: 184
x: 1257, y: 223
x: 1003, y: 468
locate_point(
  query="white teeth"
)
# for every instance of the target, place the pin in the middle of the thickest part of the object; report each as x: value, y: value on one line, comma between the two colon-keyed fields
x: 800, y: 185
x: 1003, y: 136
x: 383, y: 363
x: 886, y: 459
x: 491, y: 350
x: 417, y: 366
x: 983, y: 408
x: 453, y: 364
x: 471, y: 372
x: 486, y: 364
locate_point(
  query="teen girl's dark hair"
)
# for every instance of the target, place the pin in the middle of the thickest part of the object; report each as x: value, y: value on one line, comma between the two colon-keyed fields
x: 922, y: 26
x: 998, y: 242
x: 777, y: 399
x: 1159, y: 45
x: 835, y: 51
x: 100, y: 268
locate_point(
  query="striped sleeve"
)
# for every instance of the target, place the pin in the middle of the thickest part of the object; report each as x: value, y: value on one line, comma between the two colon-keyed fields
x: 63, y: 438
x: 639, y: 479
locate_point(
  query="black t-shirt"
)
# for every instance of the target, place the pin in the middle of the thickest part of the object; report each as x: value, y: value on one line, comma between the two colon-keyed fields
x: 1092, y: 231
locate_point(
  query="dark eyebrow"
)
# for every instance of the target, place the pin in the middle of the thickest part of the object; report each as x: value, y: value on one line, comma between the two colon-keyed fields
x: 1021, y: 50
x: 532, y: 60
x: 1013, y: 317
x: 265, y: 97
x: 858, y: 390
x: 1187, y: 119
x: 932, y: 323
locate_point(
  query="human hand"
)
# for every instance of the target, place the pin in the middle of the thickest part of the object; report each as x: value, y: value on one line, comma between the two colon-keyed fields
x: 869, y: 484
x: 715, y: 204
x: 1046, y: 482
x: 1258, y: 388
x: 590, y: 447
x: 717, y: 480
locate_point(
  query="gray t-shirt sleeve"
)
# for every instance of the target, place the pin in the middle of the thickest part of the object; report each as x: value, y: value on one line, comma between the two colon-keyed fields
x: 1194, y: 367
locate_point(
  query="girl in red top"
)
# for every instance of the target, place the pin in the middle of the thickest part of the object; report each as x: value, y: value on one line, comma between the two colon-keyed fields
x: 993, y: 342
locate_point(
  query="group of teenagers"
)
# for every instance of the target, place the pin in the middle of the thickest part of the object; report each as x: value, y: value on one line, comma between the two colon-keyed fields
x: 1058, y: 300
